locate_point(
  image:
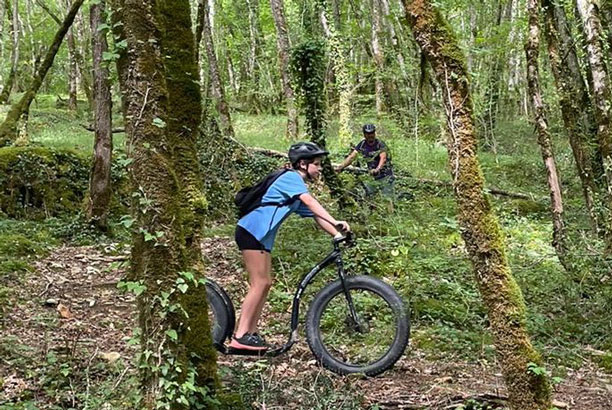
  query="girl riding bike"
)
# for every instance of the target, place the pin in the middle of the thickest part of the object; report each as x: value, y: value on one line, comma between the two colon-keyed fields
x: 256, y: 232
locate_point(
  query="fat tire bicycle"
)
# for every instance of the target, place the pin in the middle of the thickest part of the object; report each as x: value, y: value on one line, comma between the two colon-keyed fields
x: 355, y: 324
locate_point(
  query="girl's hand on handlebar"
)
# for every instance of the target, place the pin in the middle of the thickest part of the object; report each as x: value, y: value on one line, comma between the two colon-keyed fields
x: 343, y: 227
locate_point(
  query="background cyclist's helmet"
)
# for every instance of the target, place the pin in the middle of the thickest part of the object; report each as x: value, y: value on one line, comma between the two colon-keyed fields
x: 369, y: 128
x: 305, y: 150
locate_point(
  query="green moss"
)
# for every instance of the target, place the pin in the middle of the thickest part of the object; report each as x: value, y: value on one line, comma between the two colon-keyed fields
x: 18, y: 245
x: 605, y: 362
x: 40, y: 182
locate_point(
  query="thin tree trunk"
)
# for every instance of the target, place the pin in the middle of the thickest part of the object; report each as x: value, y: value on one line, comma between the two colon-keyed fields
x: 601, y: 97
x: 2, y: 34
x: 100, y: 189
x: 379, y: 58
x: 218, y: 92
x: 390, y: 22
x: 480, y: 230
x: 253, y: 68
x: 573, y: 99
x: 493, y: 87
x: 163, y: 115
x: 541, y: 124
x: 338, y: 55
x: 8, y: 129
x: 282, y: 42
x: 82, y: 55
x: 12, y: 11
x: 73, y: 71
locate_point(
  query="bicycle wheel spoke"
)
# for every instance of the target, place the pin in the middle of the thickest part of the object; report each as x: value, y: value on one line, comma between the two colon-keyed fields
x: 363, y: 343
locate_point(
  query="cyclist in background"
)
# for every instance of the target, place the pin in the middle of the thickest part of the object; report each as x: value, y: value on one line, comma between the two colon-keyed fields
x: 256, y: 232
x: 378, y: 159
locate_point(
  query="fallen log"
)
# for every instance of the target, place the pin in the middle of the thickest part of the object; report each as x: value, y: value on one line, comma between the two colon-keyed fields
x: 403, y: 174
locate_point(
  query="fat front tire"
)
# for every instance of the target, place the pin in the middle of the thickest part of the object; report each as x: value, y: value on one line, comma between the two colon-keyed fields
x: 372, y: 345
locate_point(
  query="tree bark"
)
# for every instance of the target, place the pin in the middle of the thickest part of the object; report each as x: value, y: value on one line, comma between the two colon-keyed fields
x: 12, y: 13
x: 163, y: 110
x: 480, y: 230
x: 601, y: 97
x: 100, y: 189
x: 532, y: 47
x: 282, y: 42
x: 8, y: 129
x: 574, y: 101
x: 218, y: 92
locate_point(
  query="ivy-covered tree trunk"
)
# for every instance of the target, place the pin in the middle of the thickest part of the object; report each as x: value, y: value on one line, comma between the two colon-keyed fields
x: 100, y: 189
x: 502, y: 297
x: 308, y: 68
x: 338, y: 56
x: 218, y: 91
x: 8, y: 129
x: 13, y: 17
x: 532, y: 48
x: 163, y: 107
x: 591, y: 25
x: 282, y: 42
x: 574, y: 101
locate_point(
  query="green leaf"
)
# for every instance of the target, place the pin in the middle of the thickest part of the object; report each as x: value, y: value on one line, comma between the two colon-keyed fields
x: 171, y: 333
x: 109, y: 56
x: 159, y: 123
x: 183, y: 287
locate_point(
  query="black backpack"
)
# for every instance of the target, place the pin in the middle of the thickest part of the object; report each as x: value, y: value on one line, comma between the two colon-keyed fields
x: 249, y: 198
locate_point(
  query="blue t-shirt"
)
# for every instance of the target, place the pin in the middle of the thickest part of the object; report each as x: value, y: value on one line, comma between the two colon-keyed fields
x: 263, y: 222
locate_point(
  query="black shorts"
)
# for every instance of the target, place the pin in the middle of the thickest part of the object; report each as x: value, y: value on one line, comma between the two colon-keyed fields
x: 245, y: 241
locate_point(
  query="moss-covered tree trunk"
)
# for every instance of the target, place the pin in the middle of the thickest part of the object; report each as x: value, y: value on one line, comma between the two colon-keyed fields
x: 480, y: 230
x: 100, y: 189
x: 217, y: 89
x: 532, y: 51
x: 591, y: 24
x: 338, y: 56
x: 13, y: 18
x: 8, y: 129
x: 163, y: 113
x: 574, y: 101
x: 282, y: 43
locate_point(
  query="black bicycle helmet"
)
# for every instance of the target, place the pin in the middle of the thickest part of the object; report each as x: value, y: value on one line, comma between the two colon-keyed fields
x: 369, y: 128
x: 305, y: 150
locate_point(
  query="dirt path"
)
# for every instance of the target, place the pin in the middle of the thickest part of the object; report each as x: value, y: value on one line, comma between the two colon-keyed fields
x: 74, y: 306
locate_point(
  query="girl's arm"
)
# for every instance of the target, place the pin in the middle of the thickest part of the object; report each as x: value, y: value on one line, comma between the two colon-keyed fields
x: 324, y: 219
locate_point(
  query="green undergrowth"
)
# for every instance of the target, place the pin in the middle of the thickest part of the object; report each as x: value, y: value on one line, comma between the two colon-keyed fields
x: 418, y: 249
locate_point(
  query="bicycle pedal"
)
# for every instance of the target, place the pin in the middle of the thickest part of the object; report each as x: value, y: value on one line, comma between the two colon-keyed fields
x: 246, y: 352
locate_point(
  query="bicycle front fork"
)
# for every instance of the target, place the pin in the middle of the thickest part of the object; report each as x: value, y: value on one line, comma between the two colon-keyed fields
x: 349, y: 299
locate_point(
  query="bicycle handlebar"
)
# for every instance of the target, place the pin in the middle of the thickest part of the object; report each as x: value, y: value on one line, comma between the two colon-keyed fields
x: 347, y: 238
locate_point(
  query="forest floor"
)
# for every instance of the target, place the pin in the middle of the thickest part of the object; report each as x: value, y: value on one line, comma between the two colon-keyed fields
x: 74, y: 309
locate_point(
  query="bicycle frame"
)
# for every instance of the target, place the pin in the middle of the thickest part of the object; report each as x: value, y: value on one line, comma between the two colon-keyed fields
x: 334, y: 256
